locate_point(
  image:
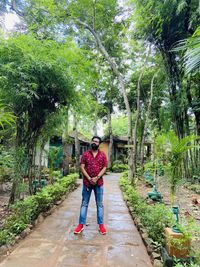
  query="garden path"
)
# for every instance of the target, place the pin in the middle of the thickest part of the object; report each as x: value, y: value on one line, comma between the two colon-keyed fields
x: 53, y: 244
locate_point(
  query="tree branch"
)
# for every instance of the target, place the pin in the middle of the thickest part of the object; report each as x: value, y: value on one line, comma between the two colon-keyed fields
x: 101, y: 47
x: 13, y: 6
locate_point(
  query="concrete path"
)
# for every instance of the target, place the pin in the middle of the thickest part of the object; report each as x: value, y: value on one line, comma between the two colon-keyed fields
x: 53, y: 244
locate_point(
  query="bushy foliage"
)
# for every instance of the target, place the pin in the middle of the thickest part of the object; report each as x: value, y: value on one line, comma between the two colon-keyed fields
x: 25, y: 212
x: 118, y: 166
x: 154, y: 218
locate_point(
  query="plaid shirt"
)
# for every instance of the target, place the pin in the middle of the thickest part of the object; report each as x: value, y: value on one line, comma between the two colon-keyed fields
x: 93, y: 165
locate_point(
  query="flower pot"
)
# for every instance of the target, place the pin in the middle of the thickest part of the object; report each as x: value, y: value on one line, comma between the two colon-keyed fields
x: 176, y: 245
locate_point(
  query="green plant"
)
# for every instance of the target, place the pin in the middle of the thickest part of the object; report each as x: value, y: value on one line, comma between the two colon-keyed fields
x: 15, y: 224
x: 57, y: 175
x: 5, y: 237
x: 53, y: 155
x: 118, y: 166
x: 179, y: 264
x: 72, y: 169
x: 45, y: 171
x: 6, y: 163
x: 194, y: 187
x: 154, y: 218
x: 26, y: 211
x: 172, y: 150
x: 6, y: 117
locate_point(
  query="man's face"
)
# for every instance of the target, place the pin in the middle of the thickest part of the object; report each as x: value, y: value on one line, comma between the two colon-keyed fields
x: 95, y: 141
x: 95, y: 144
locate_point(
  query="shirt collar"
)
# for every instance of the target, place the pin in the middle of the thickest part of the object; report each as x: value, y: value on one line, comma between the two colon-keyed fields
x: 90, y: 150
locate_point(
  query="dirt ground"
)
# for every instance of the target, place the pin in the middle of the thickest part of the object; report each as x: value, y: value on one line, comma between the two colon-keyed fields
x: 4, y: 198
x: 185, y: 198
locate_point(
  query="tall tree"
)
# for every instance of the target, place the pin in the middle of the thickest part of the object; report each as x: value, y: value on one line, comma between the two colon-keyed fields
x: 163, y: 24
x: 100, y: 20
x: 34, y: 88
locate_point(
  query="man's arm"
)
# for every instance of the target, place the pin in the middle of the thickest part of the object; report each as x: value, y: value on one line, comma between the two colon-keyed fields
x: 84, y: 172
x: 95, y: 179
x: 102, y: 172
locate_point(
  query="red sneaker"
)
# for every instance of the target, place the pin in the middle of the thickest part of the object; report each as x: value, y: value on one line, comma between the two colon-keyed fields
x: 79, y: 229
x: 102, y: 229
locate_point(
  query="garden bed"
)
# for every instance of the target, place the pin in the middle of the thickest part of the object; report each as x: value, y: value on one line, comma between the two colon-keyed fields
x: 151, y: 220
x: 188, y: 200
x: 24, y: 215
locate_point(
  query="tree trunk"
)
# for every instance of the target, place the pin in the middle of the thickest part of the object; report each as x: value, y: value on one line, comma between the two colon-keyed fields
x: 65, y: 143
x: 30, y: 168
x: 193, y: 154
x: 13, y: 192
x: 66, y: 156
x: 120, y: 78
x: 110, y: 148
x: 40, y: 158
x: 175, y: 91
x: 77, y: 144
x: 146, y: 123
x: 18, y: 143
x: 138, y: 114
x: 95, y: 124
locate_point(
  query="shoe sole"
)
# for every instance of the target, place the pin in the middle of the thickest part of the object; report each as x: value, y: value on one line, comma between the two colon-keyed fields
x: 102, y: 233
x: 79, y: 231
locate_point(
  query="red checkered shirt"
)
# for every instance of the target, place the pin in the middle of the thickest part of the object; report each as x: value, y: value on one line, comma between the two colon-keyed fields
x: 93, y: 165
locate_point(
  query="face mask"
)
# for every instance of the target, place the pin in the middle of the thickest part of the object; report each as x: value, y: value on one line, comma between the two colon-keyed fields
x: 94, y: 146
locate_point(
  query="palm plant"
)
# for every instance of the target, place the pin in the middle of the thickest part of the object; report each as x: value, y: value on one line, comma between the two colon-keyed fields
x: 192, y: 55
x: 173, y: 150
x: 6, y: 117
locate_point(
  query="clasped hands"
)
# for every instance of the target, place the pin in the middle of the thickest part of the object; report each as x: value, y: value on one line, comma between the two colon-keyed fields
x: 93, y: 180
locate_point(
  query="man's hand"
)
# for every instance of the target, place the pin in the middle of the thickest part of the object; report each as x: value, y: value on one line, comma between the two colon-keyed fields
x: 94, y: 180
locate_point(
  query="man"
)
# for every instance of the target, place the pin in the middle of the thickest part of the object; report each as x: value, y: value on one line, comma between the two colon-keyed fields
x: 93, y: 167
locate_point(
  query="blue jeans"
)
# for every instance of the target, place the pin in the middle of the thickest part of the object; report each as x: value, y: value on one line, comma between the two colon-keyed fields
x: 86, y: 193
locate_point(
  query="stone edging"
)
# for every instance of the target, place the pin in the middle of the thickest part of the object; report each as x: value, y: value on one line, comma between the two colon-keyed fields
x: 6, y: 250
x: 148, y: 242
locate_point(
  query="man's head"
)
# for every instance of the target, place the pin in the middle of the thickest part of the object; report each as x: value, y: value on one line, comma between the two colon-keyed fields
x: 96, y: 140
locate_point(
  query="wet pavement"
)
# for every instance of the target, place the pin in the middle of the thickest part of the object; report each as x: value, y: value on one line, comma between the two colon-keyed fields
x: 53, y: 243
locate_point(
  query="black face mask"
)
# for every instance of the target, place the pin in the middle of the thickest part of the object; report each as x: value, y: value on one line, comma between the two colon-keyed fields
x: 94, y: 146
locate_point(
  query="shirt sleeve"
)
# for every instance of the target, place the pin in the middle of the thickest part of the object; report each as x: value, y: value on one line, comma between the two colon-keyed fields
x: 83, y: 159
x: 105, y: 161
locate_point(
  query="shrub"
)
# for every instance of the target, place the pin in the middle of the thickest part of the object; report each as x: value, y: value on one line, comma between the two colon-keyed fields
x: 15, y: 225
x: 194, y: 187
x: 154, y: 218
x: 179, y: 264
x: 57, y: 175
x: 24, y: 212
x: 28, y: 208
x: 72, y: 169
x: 5, y: 237
x: 118, y: 166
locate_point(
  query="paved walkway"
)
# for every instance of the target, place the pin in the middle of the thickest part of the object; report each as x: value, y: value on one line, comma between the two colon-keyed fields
x: 53, y: 244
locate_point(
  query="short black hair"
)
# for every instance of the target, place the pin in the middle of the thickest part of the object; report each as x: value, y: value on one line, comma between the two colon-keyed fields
x: 97, y: 137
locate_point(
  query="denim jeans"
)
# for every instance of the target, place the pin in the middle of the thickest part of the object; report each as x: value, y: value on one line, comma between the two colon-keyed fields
x: 86, y: 193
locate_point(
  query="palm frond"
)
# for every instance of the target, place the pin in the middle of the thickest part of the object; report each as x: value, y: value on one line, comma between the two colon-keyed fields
x: 6, y: 117
x: 191, y: 46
